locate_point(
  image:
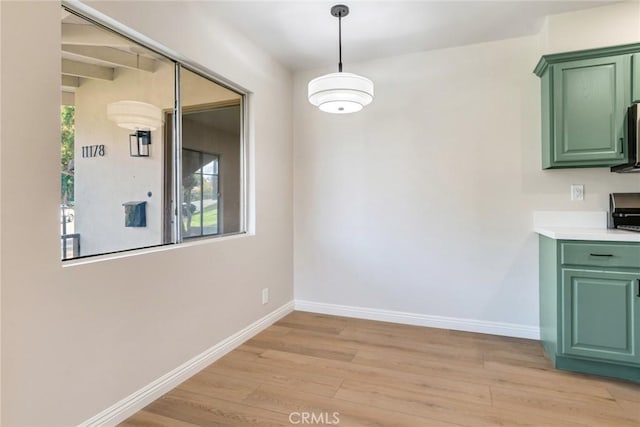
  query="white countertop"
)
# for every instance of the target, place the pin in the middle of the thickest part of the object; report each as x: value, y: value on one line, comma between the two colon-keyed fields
x: 579, y: 225
x: 574, y: 233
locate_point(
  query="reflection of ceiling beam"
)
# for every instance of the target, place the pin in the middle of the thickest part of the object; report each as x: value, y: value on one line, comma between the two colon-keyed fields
x: 70, y: 83
x: 67, y: 98
x: 112, y: 56
x: 81, y: 34
x: 90, y: 71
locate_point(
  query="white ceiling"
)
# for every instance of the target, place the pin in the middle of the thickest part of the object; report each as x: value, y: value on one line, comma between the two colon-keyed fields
x: 302, y: 34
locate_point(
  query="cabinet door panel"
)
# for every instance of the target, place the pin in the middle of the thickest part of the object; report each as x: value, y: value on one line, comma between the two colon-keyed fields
x: 635, y: 77
x: 589, y: 108
x: 598, y: 312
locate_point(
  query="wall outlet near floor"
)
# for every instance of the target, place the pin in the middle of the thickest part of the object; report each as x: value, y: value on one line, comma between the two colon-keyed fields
x: 577, y: 192
x: 265, y: 295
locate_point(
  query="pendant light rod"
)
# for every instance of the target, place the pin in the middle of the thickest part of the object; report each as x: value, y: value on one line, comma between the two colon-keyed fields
x: 340, y: 43
x: 339, y: 11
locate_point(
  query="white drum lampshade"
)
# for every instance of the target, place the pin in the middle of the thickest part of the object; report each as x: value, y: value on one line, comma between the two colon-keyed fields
x: 135, y: 115
x: 340, y: 93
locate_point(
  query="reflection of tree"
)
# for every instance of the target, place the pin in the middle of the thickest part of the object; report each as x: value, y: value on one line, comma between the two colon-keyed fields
x: 188, y: 208
x: 207, y: 187
x: 67, y: 128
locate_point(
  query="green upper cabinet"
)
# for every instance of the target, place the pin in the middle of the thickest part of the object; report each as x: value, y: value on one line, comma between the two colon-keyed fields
x: 635, y: 77
x: 589, y: 103
x: 585, y: 96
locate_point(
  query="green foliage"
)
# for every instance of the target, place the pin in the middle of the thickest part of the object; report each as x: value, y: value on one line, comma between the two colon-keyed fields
x: 67, y: 127
x: 67, y: 132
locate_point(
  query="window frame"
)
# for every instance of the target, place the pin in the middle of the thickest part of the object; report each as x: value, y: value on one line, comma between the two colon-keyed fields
x: 173, y: 222
x: 202, y: 174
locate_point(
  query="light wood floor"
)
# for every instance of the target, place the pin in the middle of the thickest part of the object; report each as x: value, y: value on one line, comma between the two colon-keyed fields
x: 383, y: 374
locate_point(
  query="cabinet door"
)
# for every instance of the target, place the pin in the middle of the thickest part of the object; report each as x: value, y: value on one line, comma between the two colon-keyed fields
x: 590, y: 98
x: 599, y: 309
x: 635, y: 77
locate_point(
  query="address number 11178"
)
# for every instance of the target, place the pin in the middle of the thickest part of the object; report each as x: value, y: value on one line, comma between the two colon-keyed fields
x: 93, y: 150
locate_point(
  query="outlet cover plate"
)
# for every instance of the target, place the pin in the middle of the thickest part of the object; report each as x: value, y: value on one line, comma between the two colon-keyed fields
x: 577, y: 192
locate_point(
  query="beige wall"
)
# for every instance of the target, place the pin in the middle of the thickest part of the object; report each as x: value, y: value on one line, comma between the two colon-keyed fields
x: 423, y: 202
x: 1, y: 275
x: 77, y: 339
x: 597, y: 27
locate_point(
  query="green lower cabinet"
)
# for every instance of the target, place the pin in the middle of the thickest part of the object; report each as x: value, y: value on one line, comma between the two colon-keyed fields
x: 590, y: 306
x: 598, y: 314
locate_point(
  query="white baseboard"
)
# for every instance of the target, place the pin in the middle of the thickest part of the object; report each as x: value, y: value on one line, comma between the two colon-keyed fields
x: 469, y: 325
x: 131, y: 404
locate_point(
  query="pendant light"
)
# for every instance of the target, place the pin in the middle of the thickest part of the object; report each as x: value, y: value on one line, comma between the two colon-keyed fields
x: 340, y: 93
x: 135, y: 115
x: 140, y: 117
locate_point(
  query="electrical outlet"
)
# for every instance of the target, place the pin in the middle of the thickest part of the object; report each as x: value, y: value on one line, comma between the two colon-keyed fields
x: 577, y: 192
x: 265, y: 295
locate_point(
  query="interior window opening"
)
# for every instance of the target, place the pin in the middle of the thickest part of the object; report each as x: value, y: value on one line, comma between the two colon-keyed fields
x: 121, y: 187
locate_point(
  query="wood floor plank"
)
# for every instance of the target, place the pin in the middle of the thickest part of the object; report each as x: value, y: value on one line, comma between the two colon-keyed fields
x: 411, y: 332
x: 496, y: 373
x: 386, y: 374
x: 281, y: 400
x: 630, y: 409
x: 210, y: 383
x: 478, y: 393
x: 568, y: 382
x: 315, y: 321
x: 441, y: 408
x: 306, y: 344
x: 295, y: 380
x: 534, y: 404
x: 624, y: 390
x: 367, y: 340
x: 278, y: 331
x: 149, y: 419
x: 516, y: 358
x: 206, y: 411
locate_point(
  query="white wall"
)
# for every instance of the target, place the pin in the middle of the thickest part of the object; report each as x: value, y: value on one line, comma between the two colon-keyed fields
x: 77, y: 339
x: 423, y: 202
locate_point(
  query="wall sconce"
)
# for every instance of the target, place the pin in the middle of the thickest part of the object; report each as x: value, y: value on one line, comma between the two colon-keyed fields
x: 140, y: 143
x: 140, y: 117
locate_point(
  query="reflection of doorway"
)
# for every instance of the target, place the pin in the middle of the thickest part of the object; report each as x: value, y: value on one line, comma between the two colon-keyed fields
x: 211, y: 174
x: 200, y: 194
